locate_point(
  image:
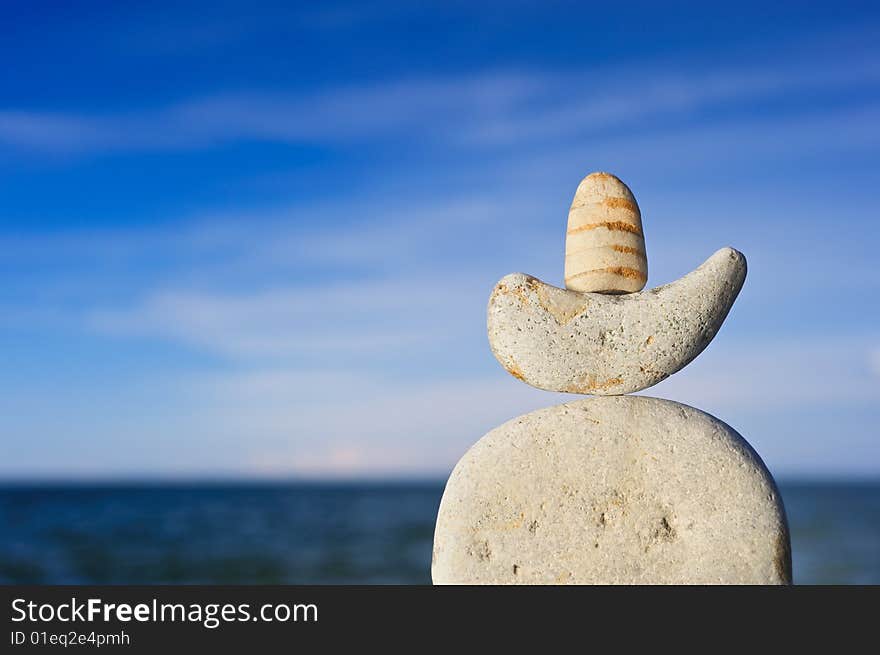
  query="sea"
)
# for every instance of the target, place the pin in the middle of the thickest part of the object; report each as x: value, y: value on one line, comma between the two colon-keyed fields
x: 298, y: 533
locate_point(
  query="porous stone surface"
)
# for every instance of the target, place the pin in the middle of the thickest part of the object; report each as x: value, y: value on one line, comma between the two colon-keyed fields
x: 604, y: 243
x: 591, y: 343
x: 619, y: 490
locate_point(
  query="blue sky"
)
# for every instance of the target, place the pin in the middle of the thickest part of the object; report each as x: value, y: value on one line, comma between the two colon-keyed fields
x: 257, y: 239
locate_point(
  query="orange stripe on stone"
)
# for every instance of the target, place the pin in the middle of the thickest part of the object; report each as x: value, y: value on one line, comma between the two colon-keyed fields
x: 629, y: 250
x: 613, y: 202
x: 621, y: 203
x: 608, y: 225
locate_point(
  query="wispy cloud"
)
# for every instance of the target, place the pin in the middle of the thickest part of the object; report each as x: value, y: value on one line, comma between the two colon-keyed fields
x: 783, y: 374
x: 338, y: 114
x: 874, y: 362
x: 299, y: 321
x: 489, y: 109
x: 346, y: 336
x: 339, y: 422
x: 315, y: 379
x: 53, y: 131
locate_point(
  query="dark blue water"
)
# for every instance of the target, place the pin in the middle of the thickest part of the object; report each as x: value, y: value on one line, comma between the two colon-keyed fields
x: 301, y: 534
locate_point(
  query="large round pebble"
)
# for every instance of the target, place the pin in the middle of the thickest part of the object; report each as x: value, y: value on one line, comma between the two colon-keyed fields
x: 612, y: 490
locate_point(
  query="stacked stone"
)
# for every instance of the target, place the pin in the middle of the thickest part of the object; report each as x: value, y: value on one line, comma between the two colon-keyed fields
x: 614, y: 489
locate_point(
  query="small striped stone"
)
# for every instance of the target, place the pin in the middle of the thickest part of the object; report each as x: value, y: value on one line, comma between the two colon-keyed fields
x: 604, y: 244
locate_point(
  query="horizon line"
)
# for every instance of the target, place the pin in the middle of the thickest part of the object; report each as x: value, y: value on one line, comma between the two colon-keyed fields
x: 146, y: 481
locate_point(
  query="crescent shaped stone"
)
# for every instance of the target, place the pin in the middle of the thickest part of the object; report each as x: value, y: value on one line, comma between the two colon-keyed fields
x: 591, y: 343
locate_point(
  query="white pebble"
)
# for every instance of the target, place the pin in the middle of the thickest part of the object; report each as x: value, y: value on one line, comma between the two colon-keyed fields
x: 622, y: 490
x: 593, y: 343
